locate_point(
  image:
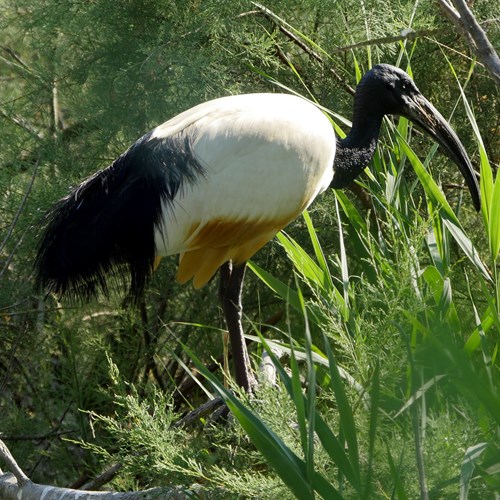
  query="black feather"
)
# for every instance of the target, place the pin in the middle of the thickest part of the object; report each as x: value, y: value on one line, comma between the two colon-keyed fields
x: 105, y: 228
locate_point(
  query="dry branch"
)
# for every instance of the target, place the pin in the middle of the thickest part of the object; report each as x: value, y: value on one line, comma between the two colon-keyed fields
x: 16, y: 485
x: 462, y: 17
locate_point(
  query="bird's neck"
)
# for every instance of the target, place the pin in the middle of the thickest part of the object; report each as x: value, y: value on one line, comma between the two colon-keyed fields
x: 355, y: 152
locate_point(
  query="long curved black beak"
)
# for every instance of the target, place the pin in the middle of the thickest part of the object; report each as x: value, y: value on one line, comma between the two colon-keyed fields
x: 419, y: 110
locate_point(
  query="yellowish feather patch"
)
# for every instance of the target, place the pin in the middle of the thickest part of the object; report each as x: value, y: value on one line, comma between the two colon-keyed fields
x: 218, y: 241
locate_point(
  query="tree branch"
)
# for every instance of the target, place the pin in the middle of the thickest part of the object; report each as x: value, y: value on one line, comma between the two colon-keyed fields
x: 20, y: 476
x: 17, y: 485
x: 462, y: 17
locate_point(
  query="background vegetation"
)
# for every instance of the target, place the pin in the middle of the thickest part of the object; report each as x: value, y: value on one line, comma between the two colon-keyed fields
x: 388, y: 292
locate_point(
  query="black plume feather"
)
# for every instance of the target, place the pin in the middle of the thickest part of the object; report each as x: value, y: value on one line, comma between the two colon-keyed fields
x: 105, y: 228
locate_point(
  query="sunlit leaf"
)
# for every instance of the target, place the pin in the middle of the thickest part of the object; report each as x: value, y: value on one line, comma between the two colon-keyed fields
x: 468, y: 465
x: 494, y: 220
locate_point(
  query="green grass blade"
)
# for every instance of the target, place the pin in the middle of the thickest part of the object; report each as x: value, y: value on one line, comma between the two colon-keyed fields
x: 486, y: 181
x: 434, y: 280
x: 488, y: 319
x: 318, y: 359
x: 448, y: 216
x: 398, y: 484
x: 403, y: 127
x: 277, y: 286
x: 343, y: 263
x: 467, y: 247
x: 311, y: 393
x: 285, y: 292
x: 467, y: 469
x: 291, y: 469
x: 494, y: 221
x: 486, y: 186
x: 318, y: 251
x: 300, y: 402
x: 351, y: 212
x: 190, y: 373
x: 431, y: 188
x: 329, y: 441
x: 441, y: 240
x: 372, y: 432
x: 345, y: 412
x: 418, y: 394
x: 287, y: 464
x: 306, y: 266
x: 357, y: 229
x: 467, y: 379
x: 485, y: 323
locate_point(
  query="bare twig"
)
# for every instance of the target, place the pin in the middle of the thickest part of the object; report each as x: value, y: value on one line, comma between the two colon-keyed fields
x: 14, y: 55
x: 462, y: 17
x: 21, y: 122
x: 38, y: 437
x: 104, y: 478
x: 200, y: 412
x: 300, y: 43
x: 18, y: 67
x: 403, y: 36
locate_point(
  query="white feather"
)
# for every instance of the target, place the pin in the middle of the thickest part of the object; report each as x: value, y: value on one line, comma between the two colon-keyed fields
x: 266, y: 156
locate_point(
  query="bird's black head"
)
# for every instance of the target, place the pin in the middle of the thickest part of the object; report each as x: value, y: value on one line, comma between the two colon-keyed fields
x: 386, y: 90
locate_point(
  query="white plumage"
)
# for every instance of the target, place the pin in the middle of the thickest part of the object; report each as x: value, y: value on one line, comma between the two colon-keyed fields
x: 266, y: 157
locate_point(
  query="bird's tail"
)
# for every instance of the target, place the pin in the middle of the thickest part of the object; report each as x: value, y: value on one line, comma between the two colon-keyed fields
x: 105, y: 229
x: 105, y: 225
x: 108, y: 223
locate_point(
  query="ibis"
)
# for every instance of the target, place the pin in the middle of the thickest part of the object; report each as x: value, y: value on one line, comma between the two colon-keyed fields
x: 214, y: 184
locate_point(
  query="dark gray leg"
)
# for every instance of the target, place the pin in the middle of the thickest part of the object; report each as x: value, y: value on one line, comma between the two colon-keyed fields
x: 231, y: 286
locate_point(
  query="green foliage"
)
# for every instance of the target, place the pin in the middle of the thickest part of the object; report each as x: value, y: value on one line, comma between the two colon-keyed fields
x: 142, y: 437
x: 390, y: 292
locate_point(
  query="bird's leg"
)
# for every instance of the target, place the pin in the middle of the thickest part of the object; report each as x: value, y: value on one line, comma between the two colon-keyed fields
x: 231, y: 286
